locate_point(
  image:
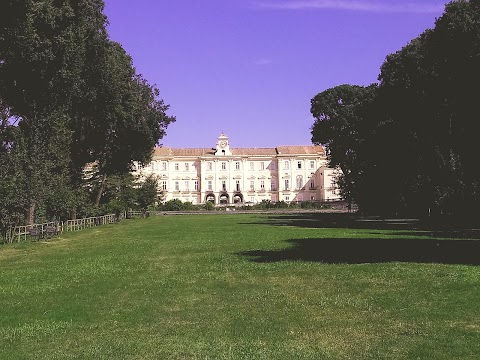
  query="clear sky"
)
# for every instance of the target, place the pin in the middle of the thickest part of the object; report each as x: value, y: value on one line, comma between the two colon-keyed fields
x: 250, y: 67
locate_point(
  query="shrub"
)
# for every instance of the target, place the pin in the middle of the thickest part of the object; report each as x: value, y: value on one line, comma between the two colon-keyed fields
x: 209, y: 206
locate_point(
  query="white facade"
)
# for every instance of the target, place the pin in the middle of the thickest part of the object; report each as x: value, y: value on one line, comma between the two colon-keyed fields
x: 227, y: 175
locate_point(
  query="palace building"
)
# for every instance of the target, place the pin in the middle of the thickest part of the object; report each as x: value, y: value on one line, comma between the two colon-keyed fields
x: 227, y: 175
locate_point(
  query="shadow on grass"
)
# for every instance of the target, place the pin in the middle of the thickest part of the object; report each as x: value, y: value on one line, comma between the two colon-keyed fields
x: 360, y: 251
x: 405, y: 227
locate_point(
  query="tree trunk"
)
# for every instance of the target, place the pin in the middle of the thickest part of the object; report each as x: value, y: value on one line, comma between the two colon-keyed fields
x: 100, y: 190
x: 73, y: 214
x: 31, y: 214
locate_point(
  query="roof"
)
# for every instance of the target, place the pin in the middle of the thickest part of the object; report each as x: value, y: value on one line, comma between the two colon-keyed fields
x: 166, y: 151
x: 192, y: 152
x: 254, y: 151
x: 300, y: 150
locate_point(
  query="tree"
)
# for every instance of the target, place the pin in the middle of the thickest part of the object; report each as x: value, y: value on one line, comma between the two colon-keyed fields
x: 148, y: 192
x: 12, y: 178
x: 124, y: 119
x: 43, y: 46
x: 407, y: 147
x: 428, y: 92
x: 342, y: 126
x: 76, y: 97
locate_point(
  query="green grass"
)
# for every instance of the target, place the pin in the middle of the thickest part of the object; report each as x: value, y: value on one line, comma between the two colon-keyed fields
x: 241, y: 287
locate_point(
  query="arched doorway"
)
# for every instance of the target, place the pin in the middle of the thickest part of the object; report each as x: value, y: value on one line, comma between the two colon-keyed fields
x: 210, y: 198
x: 223, y: 199
x: 237, y: 198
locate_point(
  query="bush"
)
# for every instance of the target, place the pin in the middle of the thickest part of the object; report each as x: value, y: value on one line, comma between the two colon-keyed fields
x: 209, y: 206
x: 173, y: 205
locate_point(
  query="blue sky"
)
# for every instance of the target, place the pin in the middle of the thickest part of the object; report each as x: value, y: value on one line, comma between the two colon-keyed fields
x: 250, y: 67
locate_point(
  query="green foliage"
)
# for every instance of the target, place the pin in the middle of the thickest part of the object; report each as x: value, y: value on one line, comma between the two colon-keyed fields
x: 209, y: 206
x: 314, y: 205
x: 12, y: 179
x: 436, y: 75
x: 147, y: 193
x: 173, y: 205
x: 73, y: 98
x: 407, y: 146
x: 343, y: 125
x: 114, y: 207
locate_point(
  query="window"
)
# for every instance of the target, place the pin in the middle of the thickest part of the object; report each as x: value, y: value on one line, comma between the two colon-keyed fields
x: 195, y: 185
x: 262, y: 166
x: 164, y: 166
x: 312, y: 164
x: 209, y: 165
x: 187, y: 185
x: 272, y: 185
x: 252, y: 185
x: 287, y: 165
x: 262, y: 184
x: 287, y: 198
x: 209, y: 185
x: 224, y: 185
x: 287, y: 184
x: 252, y: 199
x: 224, y: 165
x: 237, y: 185
x: 252, y: 166
x: 312, y: 198
x: 139, y: 166
x: 176, y: 166
x: 299, y: 181
x: 237, y: 165
x: 177, y: 186
x: 299, y: 164
x: 312, y: 184
x: 164, y: 185
x: 186, y: 167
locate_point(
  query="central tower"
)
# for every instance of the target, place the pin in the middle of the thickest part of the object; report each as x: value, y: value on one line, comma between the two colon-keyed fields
x: 223, y: 147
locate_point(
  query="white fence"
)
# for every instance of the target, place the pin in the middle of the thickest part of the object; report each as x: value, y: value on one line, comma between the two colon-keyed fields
x: 19, y: 233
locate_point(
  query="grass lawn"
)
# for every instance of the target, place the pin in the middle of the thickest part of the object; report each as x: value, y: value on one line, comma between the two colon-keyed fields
x: 242, y: 287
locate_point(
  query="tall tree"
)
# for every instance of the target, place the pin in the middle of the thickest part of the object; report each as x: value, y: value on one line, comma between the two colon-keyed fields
x: 148, y: 192
x: 77, y: 96
x: 12, y: 177
x: 42, y: 53
x: 429, y: 91
x: 123, y: 118
x: 342, y: 126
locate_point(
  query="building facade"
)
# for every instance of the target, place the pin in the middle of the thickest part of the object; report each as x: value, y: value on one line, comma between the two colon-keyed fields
x: 225, y: 175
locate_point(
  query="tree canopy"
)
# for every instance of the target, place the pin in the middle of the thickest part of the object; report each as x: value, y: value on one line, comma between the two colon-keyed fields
x: 414, y: 147
x: 69, y: 97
